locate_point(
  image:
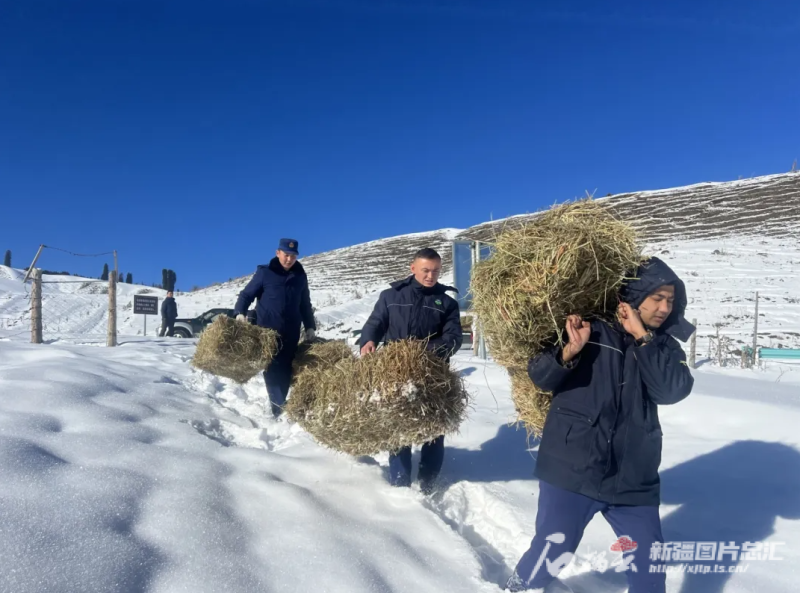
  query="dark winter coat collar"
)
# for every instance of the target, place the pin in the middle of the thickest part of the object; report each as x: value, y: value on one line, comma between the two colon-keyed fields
x: 412, y: 282
x: 647, y: 278
x: 275, y: 266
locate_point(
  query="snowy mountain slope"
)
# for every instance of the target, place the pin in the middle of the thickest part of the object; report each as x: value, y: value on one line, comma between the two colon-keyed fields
x: 348, y: 273
x: 727, y: 240
x: 72, y: 307
x: 767, y: 205
x: 753, y: 224
x: 722, y: 276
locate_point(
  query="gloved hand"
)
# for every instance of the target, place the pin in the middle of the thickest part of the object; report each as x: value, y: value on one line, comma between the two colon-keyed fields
x: 241, y: 317
x: 310, y: 335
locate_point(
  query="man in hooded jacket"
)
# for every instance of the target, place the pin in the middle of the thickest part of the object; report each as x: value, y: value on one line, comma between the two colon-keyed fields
x: 601, y: 444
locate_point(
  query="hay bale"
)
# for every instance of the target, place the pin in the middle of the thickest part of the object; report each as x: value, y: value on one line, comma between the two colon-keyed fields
x: 235, y: 350
x: 320, y: 351
x: 570, y: 259
x: 400, y: 395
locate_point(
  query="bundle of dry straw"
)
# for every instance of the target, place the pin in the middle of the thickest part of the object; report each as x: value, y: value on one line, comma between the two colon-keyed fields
x: 400, y: 395
x: 234, y: 349
x: 570, y: 259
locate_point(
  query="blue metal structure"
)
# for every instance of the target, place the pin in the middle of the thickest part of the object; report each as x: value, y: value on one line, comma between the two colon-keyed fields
x: 779, y: 353
x: 465, y: 254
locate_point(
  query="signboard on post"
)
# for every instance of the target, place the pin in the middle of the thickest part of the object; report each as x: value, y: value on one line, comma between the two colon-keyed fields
x: 145, y: 305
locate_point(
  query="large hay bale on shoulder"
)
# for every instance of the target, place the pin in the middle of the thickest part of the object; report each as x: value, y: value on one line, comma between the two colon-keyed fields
x: 400, y: 395
x: 235, y: 350
x: 570, y: 259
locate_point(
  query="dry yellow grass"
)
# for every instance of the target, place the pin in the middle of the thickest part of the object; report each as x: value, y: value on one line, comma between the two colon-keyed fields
x: 570, y: 259
x: 400, y: 395
x: 235, y: 350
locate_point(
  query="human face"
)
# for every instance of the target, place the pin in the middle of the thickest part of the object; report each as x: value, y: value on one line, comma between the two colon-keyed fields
x: 658, y: 306
x: 427, y: 271
x: 286, y: 259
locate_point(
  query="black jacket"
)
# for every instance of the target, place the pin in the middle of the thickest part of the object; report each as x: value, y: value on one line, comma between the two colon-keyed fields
x: 284, y: 301
x: 169, y: 309
x: 410, y: 310
x: 602, y: 436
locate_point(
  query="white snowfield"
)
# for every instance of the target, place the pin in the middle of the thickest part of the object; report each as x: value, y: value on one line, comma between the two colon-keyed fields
x: 126, y: 470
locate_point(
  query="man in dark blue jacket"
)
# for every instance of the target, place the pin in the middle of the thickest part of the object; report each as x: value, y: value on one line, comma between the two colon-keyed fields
x: 416, y: 307
x: 601, y: 444
x: 284, y: 303
x: 169, y: 313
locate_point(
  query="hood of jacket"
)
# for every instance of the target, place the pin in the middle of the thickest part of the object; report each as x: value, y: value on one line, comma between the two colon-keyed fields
x: 646, y: 279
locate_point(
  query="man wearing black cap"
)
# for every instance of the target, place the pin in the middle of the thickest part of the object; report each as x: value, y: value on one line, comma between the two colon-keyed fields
x: 601, y: 445
x: 284, y: 302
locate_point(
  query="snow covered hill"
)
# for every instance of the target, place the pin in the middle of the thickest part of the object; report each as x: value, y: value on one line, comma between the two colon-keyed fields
x: 345, y: 274
x: 73, y: 308
x: 727, y: 240
x: 767, y: 205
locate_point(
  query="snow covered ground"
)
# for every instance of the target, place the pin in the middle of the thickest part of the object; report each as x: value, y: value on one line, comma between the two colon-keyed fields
x: 126, y: 470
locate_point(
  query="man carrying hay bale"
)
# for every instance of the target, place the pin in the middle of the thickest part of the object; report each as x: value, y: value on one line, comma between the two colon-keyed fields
x: 601, y: 445
x: 417, y: 308
x: 284, y: 302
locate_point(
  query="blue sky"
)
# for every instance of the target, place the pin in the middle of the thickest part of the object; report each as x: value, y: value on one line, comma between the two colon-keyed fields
x: 193, y: 135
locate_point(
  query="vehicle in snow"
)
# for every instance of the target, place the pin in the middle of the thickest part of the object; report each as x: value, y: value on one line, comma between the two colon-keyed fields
x: 192, y: 328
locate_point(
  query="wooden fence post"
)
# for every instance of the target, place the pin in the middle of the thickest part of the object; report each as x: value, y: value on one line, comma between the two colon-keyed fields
x: 32, y: 267
x: 36, y: 308
x: 112, y: 309
x: 693, y: 346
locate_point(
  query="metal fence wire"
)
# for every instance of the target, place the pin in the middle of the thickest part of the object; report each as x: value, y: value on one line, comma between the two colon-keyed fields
x: 74, y: 309
x: 15, y: 315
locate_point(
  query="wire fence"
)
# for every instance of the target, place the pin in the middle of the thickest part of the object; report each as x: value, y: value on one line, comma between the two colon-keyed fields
x: 15, y: 315
x: 72, y: 308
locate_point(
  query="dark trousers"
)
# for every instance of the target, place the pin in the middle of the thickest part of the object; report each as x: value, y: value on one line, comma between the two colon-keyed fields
x: 430, y: 464
x: 168, y: 327
x: 278, y: 376
x: 560, y: 523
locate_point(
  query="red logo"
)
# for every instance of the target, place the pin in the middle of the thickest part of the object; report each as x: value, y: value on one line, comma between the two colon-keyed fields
x: 624, y: 544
